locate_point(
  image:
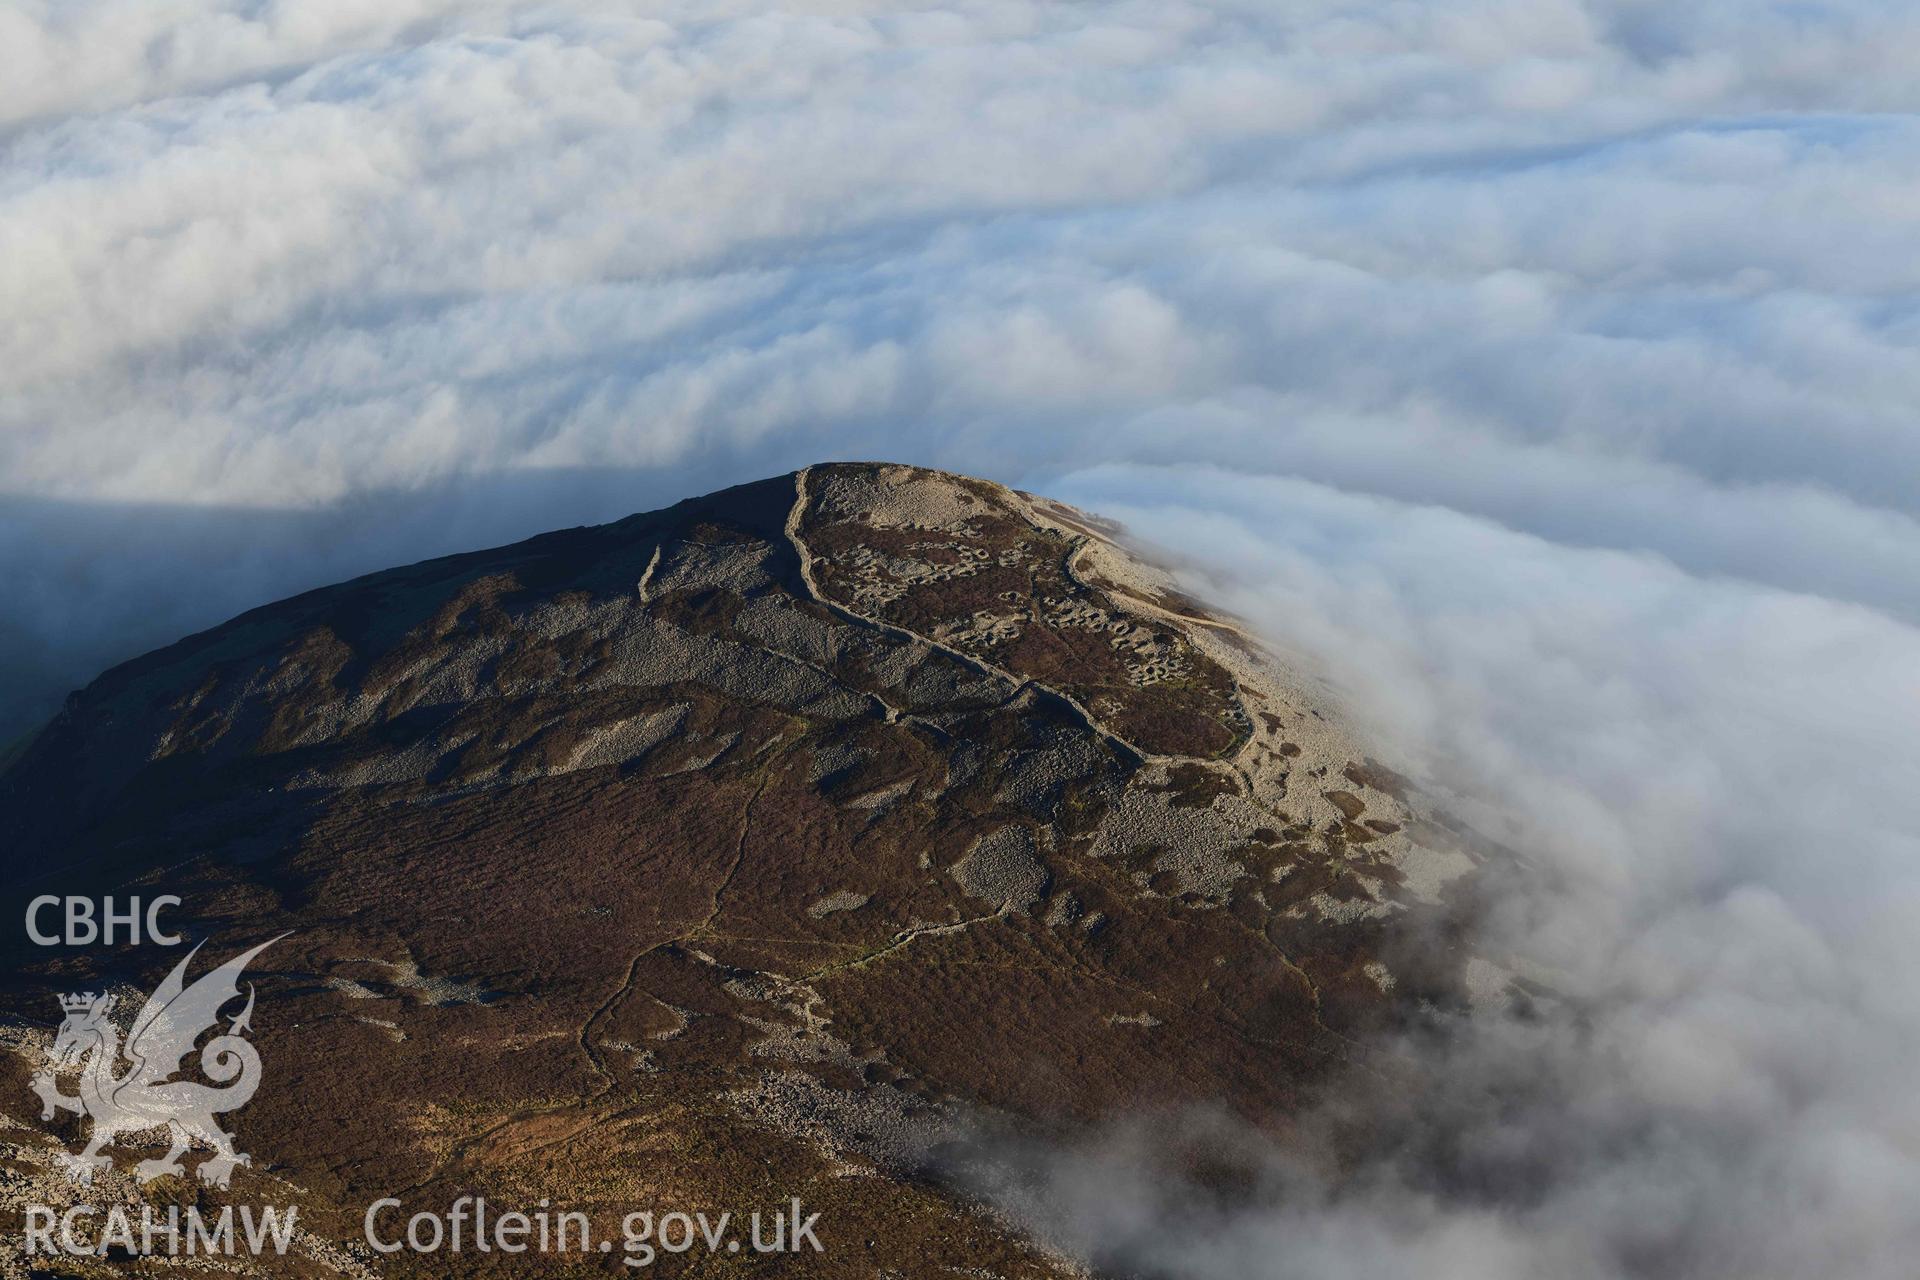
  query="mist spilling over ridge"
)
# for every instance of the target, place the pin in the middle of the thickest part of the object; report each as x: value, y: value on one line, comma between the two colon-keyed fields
x: 1531, y: 382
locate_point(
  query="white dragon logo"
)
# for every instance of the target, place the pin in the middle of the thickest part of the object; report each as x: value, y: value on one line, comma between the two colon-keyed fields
x: 145, y: 1098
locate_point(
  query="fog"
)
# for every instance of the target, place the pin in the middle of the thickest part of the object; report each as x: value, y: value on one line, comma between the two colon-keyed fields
x: 1541, y: 372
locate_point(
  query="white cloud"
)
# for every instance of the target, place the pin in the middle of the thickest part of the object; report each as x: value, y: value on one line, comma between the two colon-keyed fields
x: 1715, y: 779
x: 1544, y: 366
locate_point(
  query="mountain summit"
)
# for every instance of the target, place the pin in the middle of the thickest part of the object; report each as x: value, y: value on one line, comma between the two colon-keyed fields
x: 753, y: 848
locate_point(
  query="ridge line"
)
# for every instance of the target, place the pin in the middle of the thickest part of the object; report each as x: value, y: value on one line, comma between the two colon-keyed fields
x: 980, y: 665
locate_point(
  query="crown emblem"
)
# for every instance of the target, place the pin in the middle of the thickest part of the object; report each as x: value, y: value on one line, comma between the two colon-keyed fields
x: 79, y: 1002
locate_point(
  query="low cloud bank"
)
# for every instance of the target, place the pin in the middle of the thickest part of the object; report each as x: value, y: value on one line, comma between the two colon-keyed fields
x: 1544, y: 371
x: 1712, y: 778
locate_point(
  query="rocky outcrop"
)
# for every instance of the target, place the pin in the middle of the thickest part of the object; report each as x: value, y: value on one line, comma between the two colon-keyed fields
x: 784, y: 835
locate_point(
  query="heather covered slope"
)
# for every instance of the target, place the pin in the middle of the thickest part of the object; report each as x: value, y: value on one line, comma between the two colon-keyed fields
x: 758, y: 847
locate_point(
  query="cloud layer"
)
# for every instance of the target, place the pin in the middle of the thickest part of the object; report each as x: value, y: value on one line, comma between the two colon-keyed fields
x: 1545, y: 370
x: 1615, y: 275
x: 1714, y: 777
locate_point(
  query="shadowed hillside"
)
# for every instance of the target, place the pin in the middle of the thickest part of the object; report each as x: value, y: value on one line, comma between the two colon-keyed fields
x: 764, y: 846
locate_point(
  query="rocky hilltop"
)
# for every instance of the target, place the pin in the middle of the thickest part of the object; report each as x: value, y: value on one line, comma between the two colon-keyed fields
x: 754, y: 848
